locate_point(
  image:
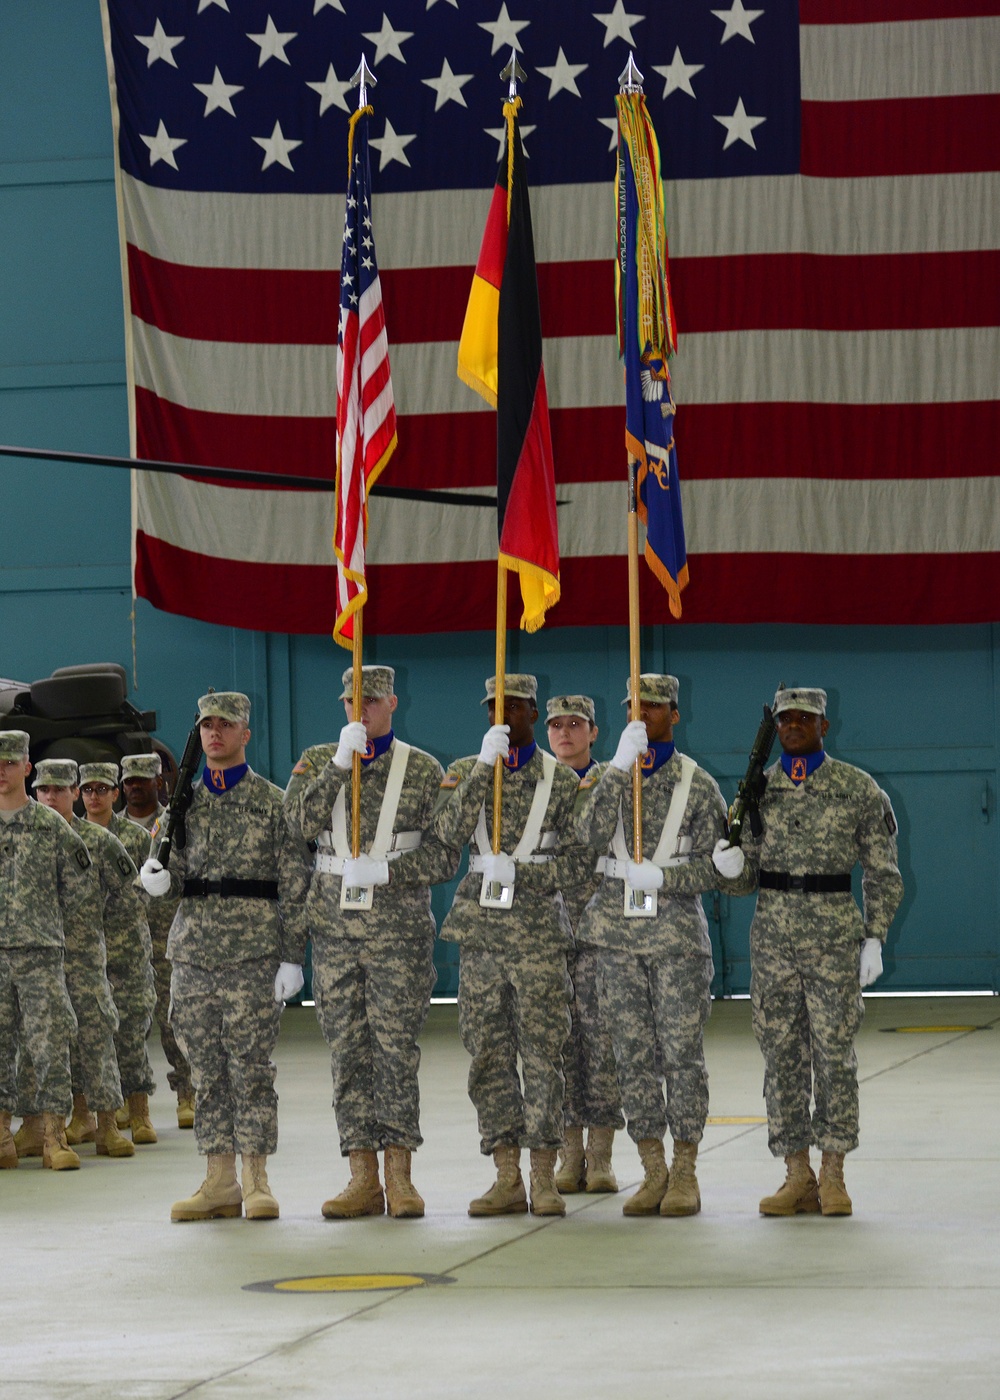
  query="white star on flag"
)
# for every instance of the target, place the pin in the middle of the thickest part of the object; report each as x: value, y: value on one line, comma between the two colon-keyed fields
x: 739, y: 127
x: 334, y: 5
x: 331, y: 91
x: 272, y: 44
x: 678, y: 74
x: 562, y: 75
x: 612, y: 124
x: 204, y: 4
x: 432, y: 3
x: 449, y: 86
x: 504, y: 30
x: 388, y: 41
x: 160, y: 45
x: 618, y: 25
x: 737, y: 21
x: 499, y: 134
x: 218, y: 94
x: 391, y: 146
x: 162, y: 146
x: 276, y: 148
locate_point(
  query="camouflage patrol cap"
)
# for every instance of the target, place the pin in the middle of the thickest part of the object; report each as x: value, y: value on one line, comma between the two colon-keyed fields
x: 579, y: 705
x: 516, y: 685
x: 225, y: 704
x: 811, y: 700
x: 141, y: 765
x: 377, y: 682
x: 655, y: 689
x: 13, y: 744
x: 56, y: 772
x: 99, y: 773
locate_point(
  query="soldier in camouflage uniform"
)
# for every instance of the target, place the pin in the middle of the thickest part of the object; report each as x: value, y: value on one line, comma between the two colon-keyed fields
x: 126, y: 932
x: 45, y: 886
x: 372, y: 936
x: 237, y: 945
x: 94, y: 1060
x: 140, y: 772
x: 513, y: 987
x: 656, y: 970
x: 811, y: 949
x: 593, y: 1100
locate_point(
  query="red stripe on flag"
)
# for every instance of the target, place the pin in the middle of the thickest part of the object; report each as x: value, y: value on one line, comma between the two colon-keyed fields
x: 890, y: 11
x: 901, y: 136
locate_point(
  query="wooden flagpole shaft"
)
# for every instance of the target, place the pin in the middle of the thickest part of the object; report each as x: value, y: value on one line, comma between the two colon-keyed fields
x: 356, y: 706
x: 633, y: 651
x: 500, y: 669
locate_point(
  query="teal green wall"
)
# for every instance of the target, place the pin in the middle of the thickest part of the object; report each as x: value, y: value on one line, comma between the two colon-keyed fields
x: 916, y: 706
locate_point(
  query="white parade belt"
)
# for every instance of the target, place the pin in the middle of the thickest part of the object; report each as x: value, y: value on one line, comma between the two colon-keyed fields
x: 328, y: 863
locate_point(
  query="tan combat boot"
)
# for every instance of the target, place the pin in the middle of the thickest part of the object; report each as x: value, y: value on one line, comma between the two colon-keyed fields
x: 363, y: 1193
x: 56, y: 1152
x: 646, y: 1200
x: 402, y: 1197
x: 82, y: 1126
x: 833, y: 1197
x: 797, y: 1194
x: 572, y: 1174
x: 185, y: 1109
x: 8, y: 1152
x: 121, y: 1116
x: 110, y: 1142
x: 506, y: 1196
x: 258, y: 1202
x: 600, y: 1176
x: 141, y: 1124
x: 217, y: 1198
x: 545, y: 1198
x: 683, y: 1196
x: 28, y: 1139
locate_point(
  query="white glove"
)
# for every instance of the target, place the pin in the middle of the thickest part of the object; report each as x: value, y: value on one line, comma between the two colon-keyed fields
x: 871, y: 961
x: 365, y: 871
x: 496, y: 744
x: 353, y: 739
x: 155, y: 880
x: 633, y: 742
x: 288, y: 982
x: 499, y: 869
x: 728, y: 860
x: 644, y: 875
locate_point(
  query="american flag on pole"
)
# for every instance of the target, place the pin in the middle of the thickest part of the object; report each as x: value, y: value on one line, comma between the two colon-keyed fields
x: 831, y: 184
x: 366, y: 415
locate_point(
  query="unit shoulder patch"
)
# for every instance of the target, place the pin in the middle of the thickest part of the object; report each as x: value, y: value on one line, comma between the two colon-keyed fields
x: 83, y: 859
x: 588, y: 780
x: 890, y: 822
x: 451, y: 780
x: 125, y: 866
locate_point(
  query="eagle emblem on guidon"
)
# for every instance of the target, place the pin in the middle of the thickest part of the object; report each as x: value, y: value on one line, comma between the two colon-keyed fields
x: 654, y: 376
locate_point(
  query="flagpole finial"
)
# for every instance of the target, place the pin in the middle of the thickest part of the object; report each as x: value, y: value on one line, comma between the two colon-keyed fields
x: 630, y: 79
x: 361, y: 80
x: 512, y: 75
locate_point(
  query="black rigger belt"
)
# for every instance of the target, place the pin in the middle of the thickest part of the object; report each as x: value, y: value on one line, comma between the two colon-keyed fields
x: 804, y: 884
x: 230, y: 888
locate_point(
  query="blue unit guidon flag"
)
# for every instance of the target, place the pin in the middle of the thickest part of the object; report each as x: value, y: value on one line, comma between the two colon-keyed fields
x: 831, y: 180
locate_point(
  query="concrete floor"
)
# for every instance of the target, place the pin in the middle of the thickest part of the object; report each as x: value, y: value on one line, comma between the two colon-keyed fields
x: 102, y: 1296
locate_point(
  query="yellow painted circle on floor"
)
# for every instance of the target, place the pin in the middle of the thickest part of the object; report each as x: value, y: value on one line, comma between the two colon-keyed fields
x: 349, y: 1283
x: 736, y: 1120
x: 933, y: 1030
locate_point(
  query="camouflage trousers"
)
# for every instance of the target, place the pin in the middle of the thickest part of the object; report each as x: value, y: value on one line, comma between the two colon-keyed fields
x: 372, y: 1005
x: 134, y: 998
x: 93, y: 1059
x: 807, y: 1009
x: 37, y: 1020
x: 656, y: 1009
x: 179, y: 1074
x: 592, y: 1096
x: 510, y: 1004
x: 226, y: 1022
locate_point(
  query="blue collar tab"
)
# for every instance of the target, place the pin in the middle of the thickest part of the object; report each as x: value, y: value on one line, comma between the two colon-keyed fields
x: 376, y: 748
x: 218, y: 780
x: 655, y: 757
x: 799, y: 766
x: 517, y: 758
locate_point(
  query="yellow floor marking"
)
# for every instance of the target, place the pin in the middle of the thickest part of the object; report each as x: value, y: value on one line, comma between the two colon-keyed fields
x: 931, y: 1030
x: 736, y: 1120
x: 348, y: 1283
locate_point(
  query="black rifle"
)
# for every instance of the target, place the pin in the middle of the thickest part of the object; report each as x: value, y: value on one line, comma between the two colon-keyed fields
x: 753, y: 783
x: 174, y: 829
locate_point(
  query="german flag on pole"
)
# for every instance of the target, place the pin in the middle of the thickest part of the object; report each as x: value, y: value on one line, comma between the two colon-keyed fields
x: 500, y: 356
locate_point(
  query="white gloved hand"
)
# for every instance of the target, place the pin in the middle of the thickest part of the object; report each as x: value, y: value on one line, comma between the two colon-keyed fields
x: 644, y: 875
x: 363, y: 870
x: 728, y: 860
x: 633, y: 742
x: 499, y: 869
x: 288, y: 981
x: 155, y: 880
x: 871, y: 961
x: 496, y: 744
x: 353, y: 739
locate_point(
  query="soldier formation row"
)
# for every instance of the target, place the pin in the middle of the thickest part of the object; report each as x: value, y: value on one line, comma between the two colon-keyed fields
x: 591, y: 966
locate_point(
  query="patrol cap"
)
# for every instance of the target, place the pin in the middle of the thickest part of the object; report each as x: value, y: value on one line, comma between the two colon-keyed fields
x: 141, y: 765
x: 56, y: 772
x: 13, y: 744
x: 579, y: 705
x: 655, y: 689
x: 99, y: 773
x: 809, y: 699
x: 516, y: 685
x: 225, y: 704
x: 377, y: 682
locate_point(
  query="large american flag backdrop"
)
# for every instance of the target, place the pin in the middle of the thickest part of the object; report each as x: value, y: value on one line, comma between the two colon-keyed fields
x: 832, y: 197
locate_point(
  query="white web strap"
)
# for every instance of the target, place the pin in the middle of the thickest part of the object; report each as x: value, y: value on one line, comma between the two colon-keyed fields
x: 527, y: 849
x: 669, y: 849
x: 383, y: 842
